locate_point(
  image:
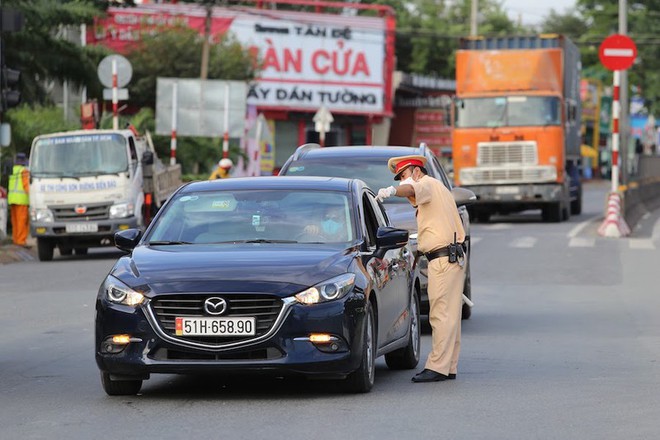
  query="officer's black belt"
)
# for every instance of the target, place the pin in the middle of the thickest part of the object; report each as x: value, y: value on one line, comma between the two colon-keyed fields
x: 442, y: 252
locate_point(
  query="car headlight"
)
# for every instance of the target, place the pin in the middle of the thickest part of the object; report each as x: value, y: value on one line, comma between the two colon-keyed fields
x: 119, y: 293
x: 41, y: 215
x: 329, y: 290
x: 121, y: 210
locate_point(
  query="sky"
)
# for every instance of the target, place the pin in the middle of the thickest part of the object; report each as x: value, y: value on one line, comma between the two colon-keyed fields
x: 533, y: 11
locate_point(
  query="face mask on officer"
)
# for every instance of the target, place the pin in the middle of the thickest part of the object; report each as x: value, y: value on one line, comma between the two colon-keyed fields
x: 408, y: 180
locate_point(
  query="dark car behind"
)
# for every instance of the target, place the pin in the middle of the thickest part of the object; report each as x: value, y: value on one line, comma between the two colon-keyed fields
x: 369, y: 163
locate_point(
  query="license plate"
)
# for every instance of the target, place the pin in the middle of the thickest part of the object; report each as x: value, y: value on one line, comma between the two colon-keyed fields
x: 507, y: 190
x: 215, y: 326
x: 82, y: 227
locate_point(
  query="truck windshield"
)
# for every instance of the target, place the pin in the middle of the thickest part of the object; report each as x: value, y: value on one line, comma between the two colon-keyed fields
x: 79, y: 155
x: 511, y: 111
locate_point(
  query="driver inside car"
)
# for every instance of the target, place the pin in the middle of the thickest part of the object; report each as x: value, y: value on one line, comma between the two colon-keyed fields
x: 331, y: 228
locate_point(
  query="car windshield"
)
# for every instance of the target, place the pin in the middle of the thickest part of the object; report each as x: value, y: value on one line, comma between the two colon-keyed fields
x: 79, y: 155
x: 372, y: 170
x: 259, y: 216
x: 512, y: 111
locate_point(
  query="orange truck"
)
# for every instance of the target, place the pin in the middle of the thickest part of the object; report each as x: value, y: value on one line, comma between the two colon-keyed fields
x: 516, y: 135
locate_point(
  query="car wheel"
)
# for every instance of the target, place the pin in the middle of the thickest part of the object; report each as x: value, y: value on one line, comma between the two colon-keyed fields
x: 362, y: 379
x: 45, y: 249
x: 467, y: 291
x: 120, y: 387
x: 407, y: 358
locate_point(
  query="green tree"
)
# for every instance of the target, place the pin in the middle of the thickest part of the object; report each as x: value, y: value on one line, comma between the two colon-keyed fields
x: 41, y: 55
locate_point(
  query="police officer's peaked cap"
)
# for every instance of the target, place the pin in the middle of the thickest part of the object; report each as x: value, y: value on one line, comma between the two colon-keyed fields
x: 398, y: 164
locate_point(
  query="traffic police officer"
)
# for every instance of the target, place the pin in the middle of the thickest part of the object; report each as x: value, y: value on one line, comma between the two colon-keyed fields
x: 440, y: 237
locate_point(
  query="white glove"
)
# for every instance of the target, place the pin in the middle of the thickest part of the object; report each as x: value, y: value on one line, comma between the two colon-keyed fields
x: 384, y: 193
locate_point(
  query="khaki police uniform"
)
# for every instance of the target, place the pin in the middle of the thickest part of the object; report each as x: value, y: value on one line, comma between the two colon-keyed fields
x: 437, y: 221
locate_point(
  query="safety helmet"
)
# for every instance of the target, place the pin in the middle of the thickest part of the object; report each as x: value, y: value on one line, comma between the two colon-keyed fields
x: 225, y: 163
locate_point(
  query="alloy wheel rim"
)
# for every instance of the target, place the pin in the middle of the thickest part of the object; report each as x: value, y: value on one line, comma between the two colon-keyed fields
x: 370, y: 353
x: 414, y: 327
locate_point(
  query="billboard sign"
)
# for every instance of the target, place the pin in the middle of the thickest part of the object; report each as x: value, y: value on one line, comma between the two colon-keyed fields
x: 308, y: 60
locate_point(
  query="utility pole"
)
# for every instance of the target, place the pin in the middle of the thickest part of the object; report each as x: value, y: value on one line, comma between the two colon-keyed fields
x: 206, y: 45
x: 623, y: 99
x: 473, y: 18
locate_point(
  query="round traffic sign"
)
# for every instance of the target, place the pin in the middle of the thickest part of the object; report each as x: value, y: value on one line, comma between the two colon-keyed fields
x: 617, y: 52
x: 124, y: 70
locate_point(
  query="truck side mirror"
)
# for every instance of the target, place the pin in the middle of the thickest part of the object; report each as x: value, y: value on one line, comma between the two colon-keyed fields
x: 148, y: 158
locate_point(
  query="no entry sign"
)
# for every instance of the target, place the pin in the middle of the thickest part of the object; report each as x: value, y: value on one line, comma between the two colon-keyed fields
x: 617, y: 52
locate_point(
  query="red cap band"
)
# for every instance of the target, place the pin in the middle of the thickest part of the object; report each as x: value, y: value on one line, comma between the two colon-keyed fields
x: 404, y: 163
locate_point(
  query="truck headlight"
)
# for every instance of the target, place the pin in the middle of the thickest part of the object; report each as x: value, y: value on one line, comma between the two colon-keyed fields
x: 119, y: 293
x: 41, y: 215
x: 329, y: 290
x: 121, y: 210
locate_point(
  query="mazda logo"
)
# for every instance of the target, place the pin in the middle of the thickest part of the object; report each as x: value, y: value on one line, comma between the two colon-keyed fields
x: 215, y: 306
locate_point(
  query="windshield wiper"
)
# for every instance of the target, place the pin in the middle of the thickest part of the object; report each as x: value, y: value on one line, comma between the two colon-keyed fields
x: 167, y: 243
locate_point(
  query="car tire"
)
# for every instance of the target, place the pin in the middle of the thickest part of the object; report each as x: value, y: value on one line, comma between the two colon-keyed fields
x: 407, y: 358
x: 45, y: 249
x: 466, y: 311
x: 362, y: 379
x: 120, y: 387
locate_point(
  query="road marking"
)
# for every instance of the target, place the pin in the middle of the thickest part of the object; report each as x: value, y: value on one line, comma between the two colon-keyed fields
x: 498, y: 226
x: 578, y: 228
x: 581, y: 242
x: 641, y: 243
x: 474, y: 240
x: 524, y: 242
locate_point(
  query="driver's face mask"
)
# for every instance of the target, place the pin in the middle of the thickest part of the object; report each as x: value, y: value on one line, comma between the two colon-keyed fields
x: 331, y: 226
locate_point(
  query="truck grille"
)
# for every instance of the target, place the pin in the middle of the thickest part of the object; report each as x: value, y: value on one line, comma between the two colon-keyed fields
x: 506, y: 153
x: 509, y: 175
x: 264, y: 308
x: 93, y: 211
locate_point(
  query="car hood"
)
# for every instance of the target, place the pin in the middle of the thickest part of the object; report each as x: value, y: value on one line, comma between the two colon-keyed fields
x: 278, y: 269
x: 402, y: 215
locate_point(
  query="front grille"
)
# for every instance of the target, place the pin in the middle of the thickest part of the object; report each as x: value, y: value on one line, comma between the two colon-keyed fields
x: 94, y: 211
x: 264, y: 308
x: 506, y: 153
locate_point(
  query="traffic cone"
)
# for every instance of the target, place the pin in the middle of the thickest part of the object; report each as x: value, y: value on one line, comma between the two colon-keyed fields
x: 614, y: 225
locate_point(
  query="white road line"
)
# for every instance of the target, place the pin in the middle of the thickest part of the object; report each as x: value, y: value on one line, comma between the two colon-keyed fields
x: 641, y: 243
x: 498, y: 226
x: 578, y: 228
x: 656, y: 230
x: 474, y: 240
x: 581, y: 242
x: 524, y: 242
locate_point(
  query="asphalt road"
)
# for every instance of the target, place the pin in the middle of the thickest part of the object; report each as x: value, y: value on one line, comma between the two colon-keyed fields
x: 563, y: 343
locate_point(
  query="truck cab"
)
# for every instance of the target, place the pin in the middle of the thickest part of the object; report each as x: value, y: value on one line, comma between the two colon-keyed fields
x: 85, y: 186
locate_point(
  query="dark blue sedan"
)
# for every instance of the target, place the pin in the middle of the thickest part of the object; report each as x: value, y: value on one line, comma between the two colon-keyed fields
x: 282, y: 275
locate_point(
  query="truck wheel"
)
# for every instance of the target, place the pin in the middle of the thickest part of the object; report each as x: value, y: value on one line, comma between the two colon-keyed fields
x: 81, y: 250
x: 45, y: 249
x: 65, y: 250
x: 407, y: 357
x: 552, y: 212
x: 120, y: 387
x: 576, y: 205
x: 483, y: 216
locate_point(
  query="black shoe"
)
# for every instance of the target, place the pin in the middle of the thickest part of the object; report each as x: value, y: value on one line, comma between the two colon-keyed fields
x: 451, y: 376
x: 429, y: 376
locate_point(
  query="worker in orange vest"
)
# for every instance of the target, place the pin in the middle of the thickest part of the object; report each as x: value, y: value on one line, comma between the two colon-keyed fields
x: 19, y: 200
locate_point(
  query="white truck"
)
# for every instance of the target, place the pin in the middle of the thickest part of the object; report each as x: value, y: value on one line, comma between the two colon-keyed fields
x: 88, y: 184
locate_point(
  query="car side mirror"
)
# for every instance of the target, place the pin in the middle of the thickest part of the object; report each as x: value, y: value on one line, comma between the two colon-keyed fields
x: 388, y: 238
x: 463, y: 196
x: 127, y: 240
